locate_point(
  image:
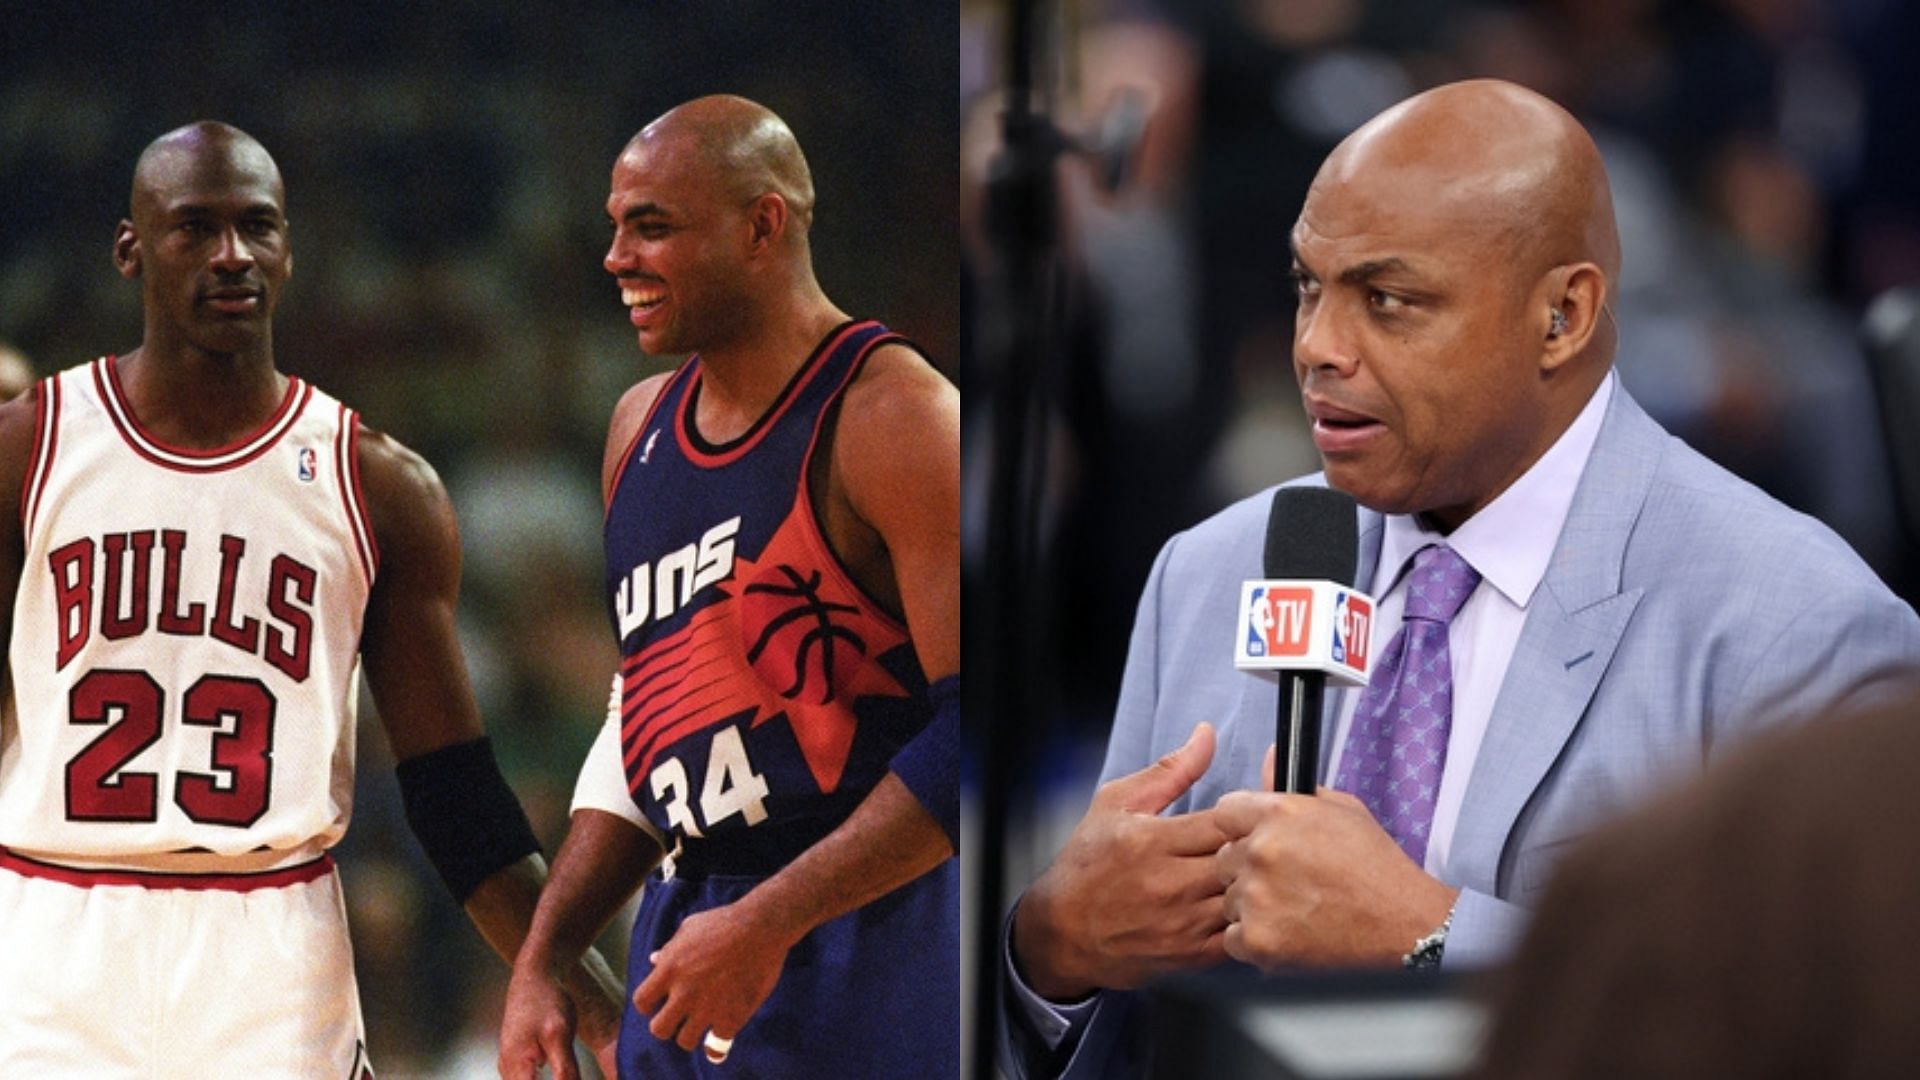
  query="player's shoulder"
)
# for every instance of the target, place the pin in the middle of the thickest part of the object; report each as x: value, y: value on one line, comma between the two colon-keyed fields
x: 899, y: 394
x: 629, y: 413
x: 632, y: 408
x: 19, y: 433
x: 399, y: 484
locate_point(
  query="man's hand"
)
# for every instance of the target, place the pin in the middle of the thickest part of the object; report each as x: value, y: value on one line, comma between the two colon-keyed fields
x: 1131, y: 895
x: 537, y: 1028
x: 714, y: 972
x: 1315, y: 880
x: 599, y: 1027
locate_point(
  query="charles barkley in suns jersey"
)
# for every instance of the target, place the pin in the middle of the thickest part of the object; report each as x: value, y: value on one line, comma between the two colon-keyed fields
x: 781, y: 748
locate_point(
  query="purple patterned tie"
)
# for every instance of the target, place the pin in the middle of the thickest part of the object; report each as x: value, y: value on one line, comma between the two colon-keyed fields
x: 1397, y: 744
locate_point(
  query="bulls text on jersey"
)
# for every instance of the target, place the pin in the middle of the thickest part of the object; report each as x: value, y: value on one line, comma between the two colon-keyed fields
x: 91, y: 591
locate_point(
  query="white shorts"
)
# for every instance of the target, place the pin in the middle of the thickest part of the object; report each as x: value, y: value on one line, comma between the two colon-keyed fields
x: 118, y: 975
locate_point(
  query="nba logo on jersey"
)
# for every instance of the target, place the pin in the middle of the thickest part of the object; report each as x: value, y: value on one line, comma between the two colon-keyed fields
x: 309, y: 466
x: 1277, y: 621
x: 1352, y: 630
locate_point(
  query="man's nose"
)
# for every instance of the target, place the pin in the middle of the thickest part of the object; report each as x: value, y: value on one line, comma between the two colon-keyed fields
x: 1321, y: 341
x: 233, y: 254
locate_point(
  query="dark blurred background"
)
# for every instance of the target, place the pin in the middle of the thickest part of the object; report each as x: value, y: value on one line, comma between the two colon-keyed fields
x: 447, y: 167
x: 1762, y: 156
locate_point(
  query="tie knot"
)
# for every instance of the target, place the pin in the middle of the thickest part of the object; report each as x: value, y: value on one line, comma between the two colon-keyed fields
x: 1441, y: 581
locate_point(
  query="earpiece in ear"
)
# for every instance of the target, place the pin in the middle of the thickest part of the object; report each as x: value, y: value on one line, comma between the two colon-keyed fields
x: 1559, y: 325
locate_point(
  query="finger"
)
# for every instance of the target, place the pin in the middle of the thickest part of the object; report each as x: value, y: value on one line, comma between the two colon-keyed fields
x: 1215, y: 949
x: 690, y: 1033
x: 652, y: 990
x: 1183, y: 884
x: 1240, y: 812
x: 1230, y: 905
x: 1227, y: 863
x: 518, y: 1066
x: 716, y: 1046
x: 563, y: 1065
x: 1198, y: 833
x: 558, y: 1051
x: 1234, y: 942
x: 1269, y: 767
x: 1343, y: 798
x: 667, y: 1022
x: 1154, y: 788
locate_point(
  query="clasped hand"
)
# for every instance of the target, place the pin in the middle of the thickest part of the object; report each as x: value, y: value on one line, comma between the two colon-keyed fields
x: 1272, y: 880
x: 1315, y: 881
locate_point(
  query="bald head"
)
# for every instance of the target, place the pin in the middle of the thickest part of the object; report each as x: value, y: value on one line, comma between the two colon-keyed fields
x: 1455, y: 257
x: 1498, y: 163
x: 205, y: 154
x: 738, y: 144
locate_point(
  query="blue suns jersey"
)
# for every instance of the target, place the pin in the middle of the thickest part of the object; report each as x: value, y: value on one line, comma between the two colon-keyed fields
x: 762, y: 697
x: 762, y: 692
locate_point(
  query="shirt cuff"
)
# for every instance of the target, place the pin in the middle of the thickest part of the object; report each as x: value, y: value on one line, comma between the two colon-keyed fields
x: 1052, y: 1021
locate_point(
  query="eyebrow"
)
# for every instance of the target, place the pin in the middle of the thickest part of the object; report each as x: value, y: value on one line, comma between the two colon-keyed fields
x: 208, y: 209
x: 1360, y: 273
x: 645, y: 209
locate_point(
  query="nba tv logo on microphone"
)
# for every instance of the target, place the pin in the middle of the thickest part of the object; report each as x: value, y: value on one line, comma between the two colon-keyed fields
x: 1305, y: 626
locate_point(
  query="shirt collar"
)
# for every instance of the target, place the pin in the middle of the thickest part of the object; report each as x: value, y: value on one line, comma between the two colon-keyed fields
x: 1511, y: 540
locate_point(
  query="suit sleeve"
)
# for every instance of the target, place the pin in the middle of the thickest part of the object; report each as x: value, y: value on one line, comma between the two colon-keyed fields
x: 1091, y: 1039
x: 1485, y: 931
x: 1848, y: 649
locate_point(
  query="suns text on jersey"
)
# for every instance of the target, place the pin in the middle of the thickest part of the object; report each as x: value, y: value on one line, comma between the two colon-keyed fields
x: 656, y: 589
x: 96, y: 590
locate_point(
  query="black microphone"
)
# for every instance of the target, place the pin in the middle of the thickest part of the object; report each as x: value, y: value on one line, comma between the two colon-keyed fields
x: 1312, y: 546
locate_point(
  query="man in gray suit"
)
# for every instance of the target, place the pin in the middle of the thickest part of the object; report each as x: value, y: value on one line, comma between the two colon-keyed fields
x: 1619, y: 606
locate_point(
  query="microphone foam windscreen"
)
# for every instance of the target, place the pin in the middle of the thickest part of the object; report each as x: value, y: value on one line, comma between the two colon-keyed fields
x: 1313, y: 534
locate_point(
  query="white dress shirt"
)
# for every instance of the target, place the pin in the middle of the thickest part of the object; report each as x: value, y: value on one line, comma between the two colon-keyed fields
x: 1509, y: 543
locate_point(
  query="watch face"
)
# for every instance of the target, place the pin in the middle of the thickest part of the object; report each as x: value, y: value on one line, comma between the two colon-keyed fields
x: 1427, y: 955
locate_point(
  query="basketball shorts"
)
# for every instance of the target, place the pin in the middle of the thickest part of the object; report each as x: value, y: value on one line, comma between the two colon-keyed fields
x: 132, y: 975
x: 873, y: 993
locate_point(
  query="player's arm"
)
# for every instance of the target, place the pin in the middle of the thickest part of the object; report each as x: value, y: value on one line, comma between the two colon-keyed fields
x: 897, y: 455
x: 459, y: 806
x: 601, y: 862
x: 18, y: 422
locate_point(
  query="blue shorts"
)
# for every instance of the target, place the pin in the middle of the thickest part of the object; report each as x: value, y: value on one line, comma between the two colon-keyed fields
x: 874, y: 993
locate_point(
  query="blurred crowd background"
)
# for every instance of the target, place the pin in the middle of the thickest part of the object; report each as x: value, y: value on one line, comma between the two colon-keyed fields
x: 1761, y: 154
x: 447, y: 170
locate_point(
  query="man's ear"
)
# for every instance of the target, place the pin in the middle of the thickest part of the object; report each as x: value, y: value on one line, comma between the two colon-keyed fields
x: 126, y: 250
x: 766, y: 221
x: 1575, y: 300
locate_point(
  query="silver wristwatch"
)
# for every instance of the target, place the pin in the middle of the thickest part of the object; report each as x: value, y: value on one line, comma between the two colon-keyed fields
x: 1426, y: 952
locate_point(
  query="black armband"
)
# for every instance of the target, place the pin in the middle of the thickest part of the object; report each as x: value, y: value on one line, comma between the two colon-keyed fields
x: 464, y: 814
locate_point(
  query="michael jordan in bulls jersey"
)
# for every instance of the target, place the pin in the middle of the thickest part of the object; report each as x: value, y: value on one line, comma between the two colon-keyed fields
x: 205, y: 550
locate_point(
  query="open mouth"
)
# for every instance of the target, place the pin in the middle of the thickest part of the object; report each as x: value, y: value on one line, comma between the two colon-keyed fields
x: 1336, y: 429
x: 640, y: 299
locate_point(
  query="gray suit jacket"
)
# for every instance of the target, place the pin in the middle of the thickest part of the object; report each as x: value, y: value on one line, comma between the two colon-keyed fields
x: 1682, y: 606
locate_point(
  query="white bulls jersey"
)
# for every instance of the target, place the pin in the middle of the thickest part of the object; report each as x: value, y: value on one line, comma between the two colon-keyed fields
x: 186, y: 633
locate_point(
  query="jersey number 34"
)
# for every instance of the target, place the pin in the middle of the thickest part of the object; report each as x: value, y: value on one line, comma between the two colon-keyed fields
x: 732, y: 787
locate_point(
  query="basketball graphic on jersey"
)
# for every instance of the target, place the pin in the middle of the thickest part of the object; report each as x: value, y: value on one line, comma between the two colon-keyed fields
x: 805, y: 643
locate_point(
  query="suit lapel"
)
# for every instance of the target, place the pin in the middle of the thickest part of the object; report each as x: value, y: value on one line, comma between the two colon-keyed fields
x: 1573, y: 626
